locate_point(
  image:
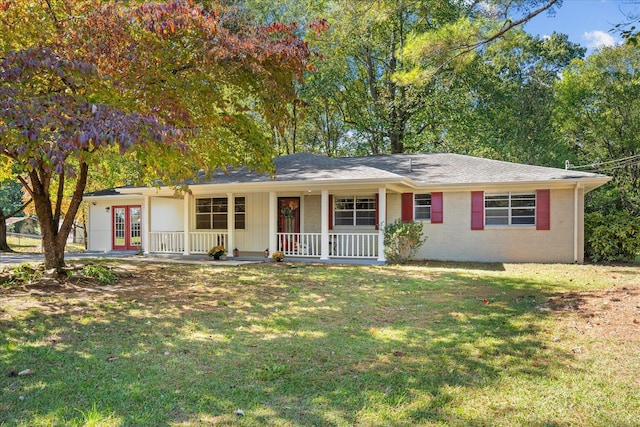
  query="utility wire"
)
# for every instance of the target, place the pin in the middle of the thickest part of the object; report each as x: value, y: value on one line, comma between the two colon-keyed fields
x: 608, y: 165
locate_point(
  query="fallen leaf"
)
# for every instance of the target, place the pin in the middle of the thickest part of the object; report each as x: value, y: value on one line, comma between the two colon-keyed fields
x: 26, y: 372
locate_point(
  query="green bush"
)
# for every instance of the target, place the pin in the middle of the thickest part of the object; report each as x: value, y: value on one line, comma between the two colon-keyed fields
x: 613, y: 237
x: 100, y: 273
x: 402, y: 241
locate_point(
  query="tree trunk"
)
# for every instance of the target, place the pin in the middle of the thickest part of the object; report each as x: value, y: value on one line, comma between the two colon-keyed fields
x: 54, y: 234
x: 4, y: 246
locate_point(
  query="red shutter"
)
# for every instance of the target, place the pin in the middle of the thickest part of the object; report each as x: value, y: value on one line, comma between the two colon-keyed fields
x: 436, y: 208
x: 477, y: 210
x: 543, y: 210
x: 377, y: 213
x: 330, y: 211
x: 407, y: 207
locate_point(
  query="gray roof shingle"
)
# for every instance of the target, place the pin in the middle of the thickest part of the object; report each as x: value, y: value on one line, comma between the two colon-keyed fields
x: 431, y: 169
x: 445, y: 168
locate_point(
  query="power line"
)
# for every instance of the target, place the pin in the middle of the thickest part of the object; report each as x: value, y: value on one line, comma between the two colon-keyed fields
x: 608, y: 165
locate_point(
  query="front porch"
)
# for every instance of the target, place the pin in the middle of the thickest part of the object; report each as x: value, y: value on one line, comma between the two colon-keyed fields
x: 307, y: 230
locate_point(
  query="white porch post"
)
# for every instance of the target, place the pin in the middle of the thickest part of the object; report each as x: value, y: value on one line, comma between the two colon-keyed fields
x: 324, y: 225
x: 273, y: 222
x: 231, y: 224
x: 146, y: 224
x: 187, y: 200
x: 382, y: 221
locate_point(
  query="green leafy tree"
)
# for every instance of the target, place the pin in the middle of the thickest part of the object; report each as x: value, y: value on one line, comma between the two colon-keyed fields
x: 174, y: 87
x: 501, y: 105
x: 11, y: 204
x: 598, y: 115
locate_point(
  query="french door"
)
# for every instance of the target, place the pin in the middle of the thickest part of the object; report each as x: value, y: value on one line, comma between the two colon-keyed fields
x: 127, y: 230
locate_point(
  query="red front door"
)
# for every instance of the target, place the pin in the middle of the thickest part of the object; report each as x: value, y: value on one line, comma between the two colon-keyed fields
x: 288, y: 222
x: 127, y: 231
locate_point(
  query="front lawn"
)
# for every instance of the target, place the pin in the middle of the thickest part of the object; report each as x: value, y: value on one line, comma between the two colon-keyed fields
x: 297, y: 345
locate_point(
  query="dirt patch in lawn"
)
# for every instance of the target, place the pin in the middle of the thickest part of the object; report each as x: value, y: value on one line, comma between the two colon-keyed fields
x: 610, y: 313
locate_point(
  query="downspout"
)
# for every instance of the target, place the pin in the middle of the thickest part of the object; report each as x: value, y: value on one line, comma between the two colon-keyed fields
x: 576, y: 216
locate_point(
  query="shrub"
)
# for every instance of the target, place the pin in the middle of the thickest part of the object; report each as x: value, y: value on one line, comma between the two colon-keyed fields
x: 402, y: 240
x: 613, y: 237
x: 100, y: 273
x: 217, y: 251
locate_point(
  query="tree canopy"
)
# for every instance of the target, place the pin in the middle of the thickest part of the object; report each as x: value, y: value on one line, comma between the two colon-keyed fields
x: 173, y: 86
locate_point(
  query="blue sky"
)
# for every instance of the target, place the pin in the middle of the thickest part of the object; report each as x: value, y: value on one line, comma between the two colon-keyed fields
x: 587, y: 22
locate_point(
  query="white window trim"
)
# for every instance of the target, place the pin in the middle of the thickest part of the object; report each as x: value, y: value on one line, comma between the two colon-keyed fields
x: 195, y: 223
x: 510, y: 209
x: 415, y: 206
x: 353, y: 224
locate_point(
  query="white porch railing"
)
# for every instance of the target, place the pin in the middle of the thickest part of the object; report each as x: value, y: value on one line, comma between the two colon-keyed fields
x: 166, y: 241
x: 201, y: 241
x: 353, y: 245
x: 299, y: 244
x: 341, y: 245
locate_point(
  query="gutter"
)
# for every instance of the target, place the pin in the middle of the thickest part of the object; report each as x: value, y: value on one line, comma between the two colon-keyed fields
x: 576, y: 217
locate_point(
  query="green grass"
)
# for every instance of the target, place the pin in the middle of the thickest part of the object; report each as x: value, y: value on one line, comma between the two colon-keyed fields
x: 29, y: 245
x: 436, y: 345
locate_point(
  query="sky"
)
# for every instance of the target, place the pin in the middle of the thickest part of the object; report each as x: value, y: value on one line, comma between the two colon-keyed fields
x: 587, y: 22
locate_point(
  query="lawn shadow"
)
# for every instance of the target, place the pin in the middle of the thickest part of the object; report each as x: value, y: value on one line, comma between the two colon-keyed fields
x: 308, y: 345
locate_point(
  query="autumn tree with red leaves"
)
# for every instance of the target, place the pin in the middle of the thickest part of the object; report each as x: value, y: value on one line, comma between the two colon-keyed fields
x: 174, y: 87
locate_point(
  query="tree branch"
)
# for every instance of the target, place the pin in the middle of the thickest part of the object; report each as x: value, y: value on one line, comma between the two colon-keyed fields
x: 24, y: 205
x: 58, y: 212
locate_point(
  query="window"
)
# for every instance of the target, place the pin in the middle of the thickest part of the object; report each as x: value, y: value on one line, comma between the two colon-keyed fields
x: 510, y: 208
x: 212, y: 214
x: 355, y: 210
x: 422, y: 206
x: 240, y: 208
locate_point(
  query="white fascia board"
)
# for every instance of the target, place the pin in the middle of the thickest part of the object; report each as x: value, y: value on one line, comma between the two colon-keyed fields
x: 588, y: 183
x: 279, y: 186
x: 114, y: 196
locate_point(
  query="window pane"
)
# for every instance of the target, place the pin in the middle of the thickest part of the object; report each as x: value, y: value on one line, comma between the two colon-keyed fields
x: 366, y: 218
x: 366, y: 203
x: 497, y: 221
x: 239, y: 224
x: 423, y: 199
x: 343, y: 203
x: 523, y: 220
x: 523, y: 202
x: 496, y: 201
x: 423, y: 212
x: 219, y: 205
x: 203, y: 205
x: 219, y: 222
x: 240, y: 205
x: 344, y: 218
x: 203, y: 221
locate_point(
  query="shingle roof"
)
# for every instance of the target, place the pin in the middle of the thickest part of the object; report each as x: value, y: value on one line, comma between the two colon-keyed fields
x: 307, y: 167
x: 422, y: 169
x: 446, y: 168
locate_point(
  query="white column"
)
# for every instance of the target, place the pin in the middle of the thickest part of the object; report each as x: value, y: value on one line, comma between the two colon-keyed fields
x: 231, y: 224
x: 324, y: 225
x: 382, y: 221
x: 187, y: 200
x: 576, y: 221
x: 146, y: 224
x: 273, y: 222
